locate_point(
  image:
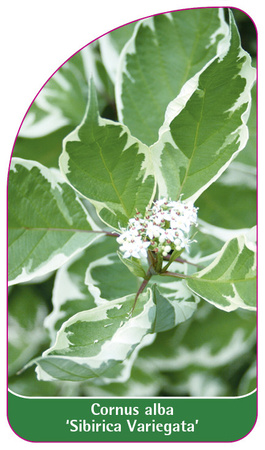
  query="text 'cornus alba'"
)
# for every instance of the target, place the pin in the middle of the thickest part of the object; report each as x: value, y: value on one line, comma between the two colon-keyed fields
x: 164, y: 228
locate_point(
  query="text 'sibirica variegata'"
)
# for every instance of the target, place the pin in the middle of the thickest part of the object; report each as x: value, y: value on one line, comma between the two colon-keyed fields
x: 132, y: 253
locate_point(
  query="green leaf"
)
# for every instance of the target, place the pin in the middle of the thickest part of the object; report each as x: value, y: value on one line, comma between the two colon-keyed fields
x: 205, y: 126
x: 209, y: 242
x: 26, y: 334
x: 141, y: 383
x: 206, y: 244
x: 89, y: 280
x: 163, y: 53
x: 47, y: 222
x: 229, y: 282
x: 94, y: 343
x: 110, y: 278
x: 26, y: 384
x: 249, y: 155
x: 231, y: 200
x: 175, y: 307
x: 105, y: 164
x: 49, y: 147
x: 62, y: 100
x: 111, y: 46
x: 210, y: 339
x: 249, y: 380
x: 70, y: 293
x: 134, y: 265
x: 197, y: 383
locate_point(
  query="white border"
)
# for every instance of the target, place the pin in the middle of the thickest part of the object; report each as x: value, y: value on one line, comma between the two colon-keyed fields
x: 133, y: 398
x: 36, y: 37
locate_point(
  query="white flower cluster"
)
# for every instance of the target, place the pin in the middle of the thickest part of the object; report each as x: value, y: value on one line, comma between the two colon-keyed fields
x: 165, y: 228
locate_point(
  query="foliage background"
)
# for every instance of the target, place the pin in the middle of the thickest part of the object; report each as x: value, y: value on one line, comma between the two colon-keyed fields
x: 229, y: 377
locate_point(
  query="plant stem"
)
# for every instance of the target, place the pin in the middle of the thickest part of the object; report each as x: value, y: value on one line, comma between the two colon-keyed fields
x: 159, y: 262
x: 175, y: 275
x: 171, y: 259
x: 73, y: 230
x: 152, y: 263
x: 182, y: 261
x: 140, y: 290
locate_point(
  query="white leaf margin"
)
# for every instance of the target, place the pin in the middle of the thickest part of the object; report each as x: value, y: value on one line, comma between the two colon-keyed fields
x: 54, y: 177
x: 236, y: 301
x: 54, y: 117
x: 183, y: 309
x: 61, y: 296
x: 147, y: 167
x: 178, y: 104
x: 129, y: 49
x: 121, y: 345
x: 204, y: 356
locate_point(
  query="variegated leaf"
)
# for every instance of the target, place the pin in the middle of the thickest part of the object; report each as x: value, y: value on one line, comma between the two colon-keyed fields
x: 164, y: 52
x: 26, y: 334
x: 209, y: 340
x: 205, y: 126
x: 141, y: 383
x: 47, y: 222
x: 248, y: 382
x: 94, y: 343
x: 174, y: 307
x: 249, y: 155
x: 105, y: 164
x: 229, y: 282
x: 62, y: 100
x: 90, y: 279
x: 111, y: 45
x: 237, y: 186
x: 209, y: 240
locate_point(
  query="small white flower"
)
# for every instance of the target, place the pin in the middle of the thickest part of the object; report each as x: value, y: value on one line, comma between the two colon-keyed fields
x: 127, y: 236
x: 135, y: 247
x: 165, y: 227
x: 178, y: 242
x: 186, y: 243
x: 152, y: 230
x: 135, y: 224
x: 180, y: 223
x: 170, y: 234
x: 162, y: 237
x: 143, y: 246
x: 158, y: 205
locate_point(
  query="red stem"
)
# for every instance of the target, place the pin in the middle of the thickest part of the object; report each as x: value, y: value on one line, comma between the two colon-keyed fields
x: 75, y: 230
x: 173, y: 274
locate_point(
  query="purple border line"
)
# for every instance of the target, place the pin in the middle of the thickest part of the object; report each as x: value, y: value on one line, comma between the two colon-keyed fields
x: 85, y: 398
